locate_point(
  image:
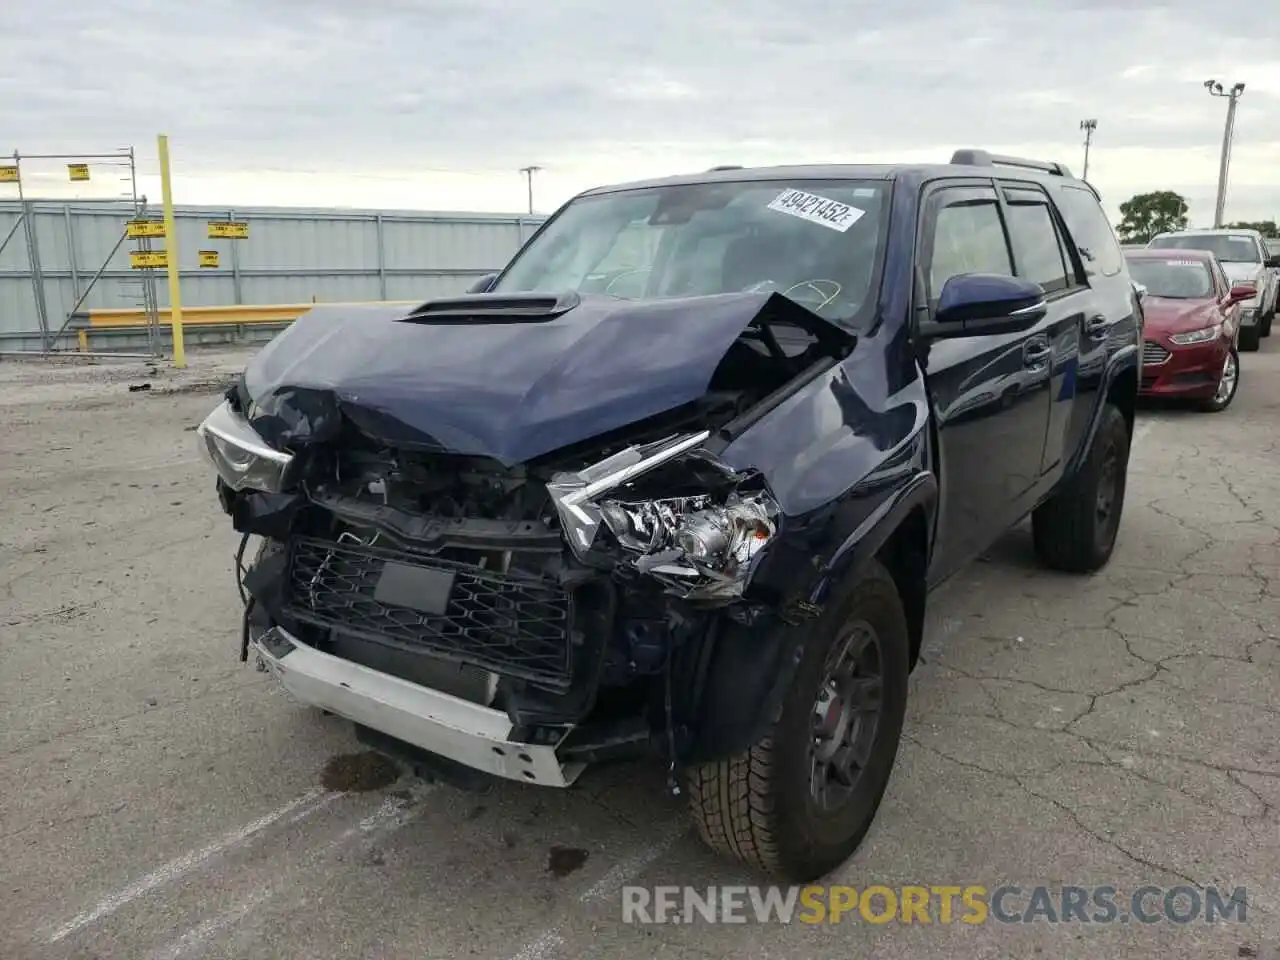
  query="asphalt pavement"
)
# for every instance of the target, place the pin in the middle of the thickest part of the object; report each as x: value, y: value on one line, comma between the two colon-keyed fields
x: 162, y: 800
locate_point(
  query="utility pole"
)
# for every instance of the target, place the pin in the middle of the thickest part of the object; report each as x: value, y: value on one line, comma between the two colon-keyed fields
x: 1088, y: 126
x: 1233, y: 97
x: 529, y: 172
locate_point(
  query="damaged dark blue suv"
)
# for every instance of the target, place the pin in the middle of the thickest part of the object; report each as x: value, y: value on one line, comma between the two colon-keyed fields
x: 679, y: 480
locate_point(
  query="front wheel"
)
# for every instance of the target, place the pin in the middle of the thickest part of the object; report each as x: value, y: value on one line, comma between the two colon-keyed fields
x: 1249, y: 339
x: 798, y: 803
x: 1228, y: 383
x: 1075, y: 530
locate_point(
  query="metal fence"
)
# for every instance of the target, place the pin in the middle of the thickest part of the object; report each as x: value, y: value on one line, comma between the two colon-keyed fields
x: 59, y: 257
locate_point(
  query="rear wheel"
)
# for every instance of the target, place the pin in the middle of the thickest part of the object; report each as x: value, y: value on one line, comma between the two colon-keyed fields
x: 1075, y: 531
x: 1228, y: 383
x: 798, y: 803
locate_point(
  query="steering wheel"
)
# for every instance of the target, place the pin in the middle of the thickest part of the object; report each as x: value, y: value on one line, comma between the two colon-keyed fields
x: 639, y: 271
x: 814, y: 294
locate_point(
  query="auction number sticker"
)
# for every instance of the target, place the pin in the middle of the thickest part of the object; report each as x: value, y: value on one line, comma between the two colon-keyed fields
x: 1183, y: 263
x: 820, y: 210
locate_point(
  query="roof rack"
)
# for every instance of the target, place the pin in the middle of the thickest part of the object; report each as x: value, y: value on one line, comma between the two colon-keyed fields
x: 980, y: 158
x: 725, y: 166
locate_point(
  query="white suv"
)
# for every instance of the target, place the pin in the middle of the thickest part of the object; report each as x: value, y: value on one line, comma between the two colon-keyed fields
x: 1245, y: 259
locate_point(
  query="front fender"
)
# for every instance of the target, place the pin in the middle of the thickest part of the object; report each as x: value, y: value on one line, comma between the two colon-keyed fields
x: 919, y: 493
x: 823, y: 440
x: 847, y: 458
x: 752, y: 665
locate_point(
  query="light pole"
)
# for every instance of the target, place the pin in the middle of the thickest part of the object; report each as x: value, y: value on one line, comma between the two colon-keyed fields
x: 1088, y: 126
x: 1233, y: 97
x: 529, y: 172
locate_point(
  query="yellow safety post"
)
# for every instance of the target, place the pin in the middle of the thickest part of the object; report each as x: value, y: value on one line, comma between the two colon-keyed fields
x: 171, y: 256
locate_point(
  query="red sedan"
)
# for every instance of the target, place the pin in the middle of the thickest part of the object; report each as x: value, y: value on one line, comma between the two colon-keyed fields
x: 1191, y: 325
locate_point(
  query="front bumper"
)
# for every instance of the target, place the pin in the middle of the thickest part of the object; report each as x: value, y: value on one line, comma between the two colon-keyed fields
x: 1170, y: 370
x: 467, y: 733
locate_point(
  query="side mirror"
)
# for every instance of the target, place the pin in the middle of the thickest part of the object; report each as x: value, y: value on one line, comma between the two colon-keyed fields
x: 484, y: 284
x: 1140, y: 291
x: 1273, y: 262
x: 975, y: 303
x: 1241, y: 292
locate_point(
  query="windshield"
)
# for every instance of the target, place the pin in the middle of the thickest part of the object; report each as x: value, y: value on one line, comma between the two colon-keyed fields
x: 815, y: 242
x: 1173, y: 279
x: 1226, y: 248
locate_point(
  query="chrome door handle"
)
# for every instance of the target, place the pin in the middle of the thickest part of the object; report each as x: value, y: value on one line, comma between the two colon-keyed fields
x: 1097, y: 327
x: 1035, y: 354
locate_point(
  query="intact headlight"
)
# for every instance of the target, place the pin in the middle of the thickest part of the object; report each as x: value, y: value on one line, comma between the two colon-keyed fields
x: 701, y: 546
x: 241, y: 457
x: 1197, y: 336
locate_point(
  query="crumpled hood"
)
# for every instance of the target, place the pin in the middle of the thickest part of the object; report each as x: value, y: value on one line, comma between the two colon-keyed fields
x: 1243, y: 272
x: 1161, y: 315
x: 508, y: 385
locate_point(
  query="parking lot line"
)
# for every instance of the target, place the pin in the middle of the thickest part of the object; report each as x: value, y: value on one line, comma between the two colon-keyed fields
x: 308, y: 803
x: 390, y: 816
x: 614, y: 879
x: 198, y: 936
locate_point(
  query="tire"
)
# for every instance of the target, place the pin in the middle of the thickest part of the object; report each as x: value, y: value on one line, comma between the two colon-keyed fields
x: 1264, y: 328
x: 760, y: 806
x: 1223, y: 399
x: 1248, y: 339
x: 1069, y: 530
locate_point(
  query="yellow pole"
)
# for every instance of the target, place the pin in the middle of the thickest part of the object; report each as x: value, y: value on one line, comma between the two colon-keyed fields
x: 171, y: 256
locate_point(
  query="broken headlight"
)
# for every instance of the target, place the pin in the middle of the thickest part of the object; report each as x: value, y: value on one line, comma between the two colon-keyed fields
x: 673, y: 539
x: 700, y: 544
x: 241, y: 457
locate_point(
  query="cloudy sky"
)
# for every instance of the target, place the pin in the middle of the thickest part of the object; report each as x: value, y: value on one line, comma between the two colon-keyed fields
x: 436, y: 104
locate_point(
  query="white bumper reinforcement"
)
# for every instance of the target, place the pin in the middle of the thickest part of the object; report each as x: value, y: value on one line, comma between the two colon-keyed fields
x: 468, y: 733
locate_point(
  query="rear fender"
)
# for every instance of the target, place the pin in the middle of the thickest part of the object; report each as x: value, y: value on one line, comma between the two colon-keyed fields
x: 1120, y: 388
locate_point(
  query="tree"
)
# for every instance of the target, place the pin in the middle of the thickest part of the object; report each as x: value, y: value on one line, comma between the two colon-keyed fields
x: 1146, y: 214
x: 1267, y: 228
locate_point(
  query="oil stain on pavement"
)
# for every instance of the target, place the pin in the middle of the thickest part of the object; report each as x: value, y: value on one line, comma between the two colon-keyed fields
x: 359, y: 772
x: 563, y: 861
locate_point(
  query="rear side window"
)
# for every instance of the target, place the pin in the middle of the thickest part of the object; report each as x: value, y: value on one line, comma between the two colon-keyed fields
x: 1091, y: 232
x: 1037, y: 253
x: 968, y: 238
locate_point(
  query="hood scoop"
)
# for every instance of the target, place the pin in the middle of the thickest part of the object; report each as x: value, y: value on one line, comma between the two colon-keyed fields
x: 484, y: 308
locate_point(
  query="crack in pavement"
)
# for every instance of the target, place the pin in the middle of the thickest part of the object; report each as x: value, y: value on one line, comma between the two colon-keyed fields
x: 1064, y: 808
x: 1178, y: 573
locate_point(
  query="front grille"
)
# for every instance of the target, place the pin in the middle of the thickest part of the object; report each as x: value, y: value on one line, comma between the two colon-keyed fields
x: 1153, y: 353
x: 512, y: 624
